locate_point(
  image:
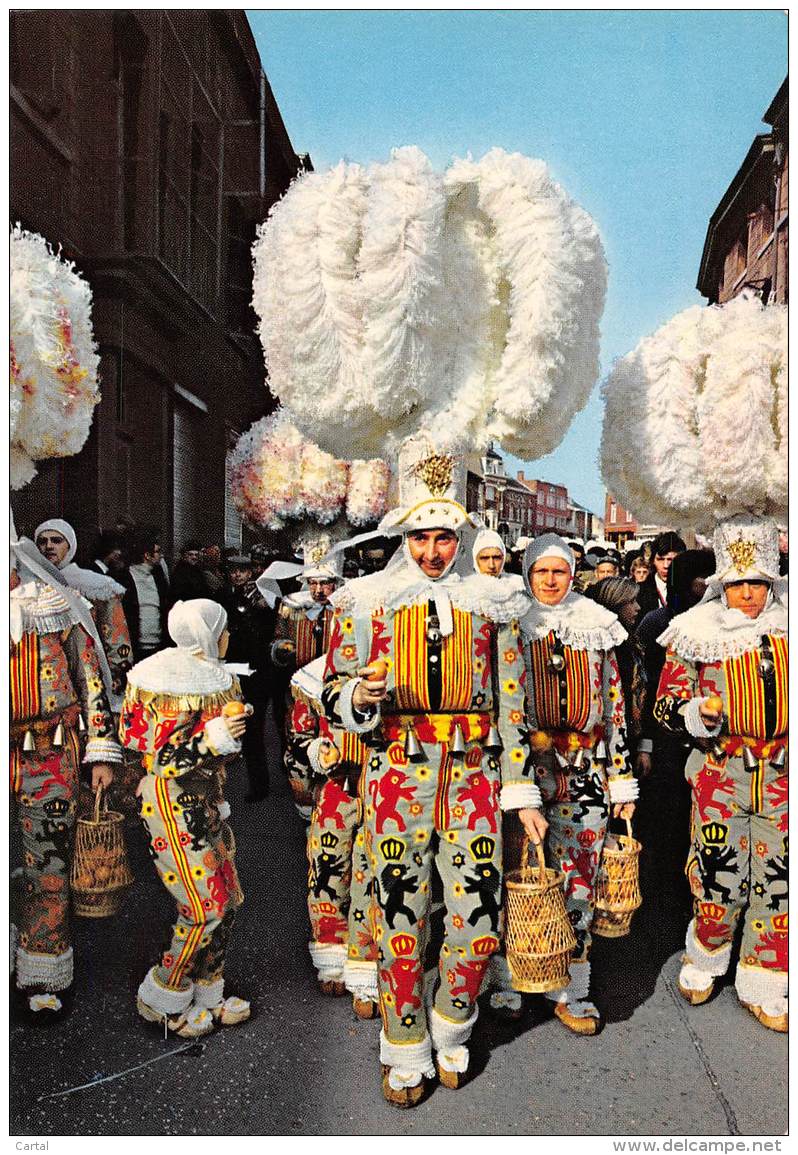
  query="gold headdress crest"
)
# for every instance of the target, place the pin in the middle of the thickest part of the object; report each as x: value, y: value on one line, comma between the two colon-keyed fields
x: 743, y: 554
x: 436, y: 473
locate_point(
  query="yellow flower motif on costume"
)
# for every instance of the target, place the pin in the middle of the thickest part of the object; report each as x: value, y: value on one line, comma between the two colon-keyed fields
x: 516, y: 754
x: 177, y: 810
x: 180, y: 932
x: 612, y: 693
x: 169, y: 772
x: 369, y: 811
x: 198, y: 872
x: 510, y: 656
x: 170, y: 878
x: 457, y: 890
x: 379, y: 931
x: 479, y: 665
x: 348, y: 652
x: 147, y: 809
x: 48, y: 673
x: 758, y: 924
x: 421, y: 835
x: 416, y: 808
x: 458, y: 811
x: 514, y: 627
x: 618, y: 761
x: 95, y: 684
x: 422, y: 773
x: 388, y: 999
x: 461, y: 950
x: 314, y: 842
x: 347, y: 625
x: 511, y: 686
x: 516, y: 717
x: 450, y: 835
x: 50, y: 702
x: 457, y: 774
x: 424, y: 887
x: 445, y: 950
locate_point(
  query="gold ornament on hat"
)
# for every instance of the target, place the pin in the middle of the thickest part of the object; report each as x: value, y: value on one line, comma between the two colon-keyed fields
x: 436, y: 473
x: 742, y: 553
x: 317, y: 553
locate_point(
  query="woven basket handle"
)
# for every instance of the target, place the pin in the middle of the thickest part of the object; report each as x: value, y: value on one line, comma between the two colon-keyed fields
x: 629, y: 827
x: 525, y: 871
x: 98, y: 799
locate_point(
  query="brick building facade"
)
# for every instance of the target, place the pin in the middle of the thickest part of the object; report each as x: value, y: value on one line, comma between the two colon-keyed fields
x: 550, y: 509
x: 148, y: 144
x: 747, y: 239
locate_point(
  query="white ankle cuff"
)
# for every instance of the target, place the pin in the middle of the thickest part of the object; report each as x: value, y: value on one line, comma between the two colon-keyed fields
x: 714, y: 962
x: 209, y: 994
x: 328, y: 959
x: 408, y: 1057
x: 166, y: 1000
x: 360, y: 979
x: 447, y: 1034
x: 758, y: 985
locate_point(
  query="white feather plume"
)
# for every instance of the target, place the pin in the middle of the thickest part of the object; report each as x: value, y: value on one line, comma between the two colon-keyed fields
x: 695, y: 417
x: 393, y: 299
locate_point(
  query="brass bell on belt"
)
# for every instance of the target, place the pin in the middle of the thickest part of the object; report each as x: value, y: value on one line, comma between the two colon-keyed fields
x: 493, y: 742
x: 81, y: 724
x: 600, y: 753
x: 58, y: 736
x: 750, y: 760
x: 457, y: 746
x: 779, y: 759
x: 556, y: 662
x: 28, y: 745
x: 413, y: 751
x: 562, y: 761
x: 766, y: 668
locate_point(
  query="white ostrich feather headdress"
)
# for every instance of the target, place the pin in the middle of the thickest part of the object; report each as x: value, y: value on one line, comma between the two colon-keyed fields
x: 695, y: 420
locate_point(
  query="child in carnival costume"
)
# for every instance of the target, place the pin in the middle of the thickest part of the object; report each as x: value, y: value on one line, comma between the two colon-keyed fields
x: 439, y: 771
x: 724, y: 685
x: 579, y: 750
x: 302, y: 633
x: 339, y: 875
x: 176, y: 717
x: 60, y: 683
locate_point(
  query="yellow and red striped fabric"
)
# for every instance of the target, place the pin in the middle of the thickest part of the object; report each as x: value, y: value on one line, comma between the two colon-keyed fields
x: 305, y: 645
x: 746, y: 692
x: 546, y: 687
x: 182, y: 866
x: 411, y: 650
x: 25, y: 689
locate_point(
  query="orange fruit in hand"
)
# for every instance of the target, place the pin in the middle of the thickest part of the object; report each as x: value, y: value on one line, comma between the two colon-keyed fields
x: 233, y: 709
x: 714, y: 703
x: 540, y: 741
x: 377, y: 671
x: 329, y: 755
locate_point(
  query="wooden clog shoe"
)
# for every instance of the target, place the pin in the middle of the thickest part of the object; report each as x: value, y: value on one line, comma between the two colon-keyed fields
x: 772, y: 1022
x: 332, y: 988
x: 696, y: 997
x: 452, y: 1080
x: 364, y: 1008
x: 401, y: 1097
x: 580, y: 1024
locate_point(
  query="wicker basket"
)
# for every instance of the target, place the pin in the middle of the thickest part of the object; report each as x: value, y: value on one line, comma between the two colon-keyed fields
x: 538, y: 934
x: 100, y: 872
x: 617, y: 893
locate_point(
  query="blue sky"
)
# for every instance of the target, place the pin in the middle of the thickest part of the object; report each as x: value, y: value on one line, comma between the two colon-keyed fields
x: 645, y: 117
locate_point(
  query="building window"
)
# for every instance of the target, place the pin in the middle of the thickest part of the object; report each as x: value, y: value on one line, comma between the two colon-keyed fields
x: 613, y: 512
x: 628, y: 517
x: 130, y: 51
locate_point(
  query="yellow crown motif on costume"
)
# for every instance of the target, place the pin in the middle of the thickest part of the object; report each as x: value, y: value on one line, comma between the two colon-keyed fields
x: 742, y: 554
x: 436, y: 472
x: 715, y: 833
x: 403, y: 944
x: 487, y: 944
x: 482, y: 848
x: 329, y: 840
x: 780, y: 922
x: 392, y: 849
x: 712, y: 910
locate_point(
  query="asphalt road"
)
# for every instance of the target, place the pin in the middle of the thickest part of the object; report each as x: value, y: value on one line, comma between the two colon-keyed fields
x: 303, y: 1064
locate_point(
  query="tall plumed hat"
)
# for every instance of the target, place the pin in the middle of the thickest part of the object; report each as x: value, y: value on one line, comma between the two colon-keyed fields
x: 746, y: 547
x: 432, y: 488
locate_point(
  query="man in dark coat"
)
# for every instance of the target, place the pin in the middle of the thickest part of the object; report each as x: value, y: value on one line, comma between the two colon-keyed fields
x: 654, y: 590
x: 188, y: 579
x: 251, y: 626
x: 146, y: 601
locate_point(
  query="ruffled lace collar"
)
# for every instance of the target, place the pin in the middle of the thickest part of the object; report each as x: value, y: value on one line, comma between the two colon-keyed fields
x: 178, y: 671
x: 97, y: 587
x: 579, y: 622
x: 712, y: 632
x: 498, y: 601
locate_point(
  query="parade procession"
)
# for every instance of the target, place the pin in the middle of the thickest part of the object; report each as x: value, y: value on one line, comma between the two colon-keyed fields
x: 385, y: 802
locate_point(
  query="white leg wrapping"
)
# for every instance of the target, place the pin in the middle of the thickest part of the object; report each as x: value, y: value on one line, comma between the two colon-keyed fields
x: 578, y: 987
x: 360, y: 979
x: 165, y: 1000
x: 449, y: 1040
x: 409, y: 1062
x: 762, y: 988
x: 503, y: 996
x: 209, y: 994
x: 712, y: 962
x: 51, y: 971
x: 328, y: 959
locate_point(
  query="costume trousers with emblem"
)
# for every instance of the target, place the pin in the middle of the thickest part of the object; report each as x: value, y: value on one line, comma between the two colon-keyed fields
x: 339, y: 875
x: 45, y: 784
x: 444, y: 812
x: 737, y: 867
x: 301, y: 728
x: 576, y: 807
x: 193, y: 851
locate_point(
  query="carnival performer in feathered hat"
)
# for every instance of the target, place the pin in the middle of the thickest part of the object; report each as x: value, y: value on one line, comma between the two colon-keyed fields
x: 183, y: 716
x: 410, y: 664
x: 724, y: 686
x: 57, y: 542
x: 59, y: 687
x: 302, y: 633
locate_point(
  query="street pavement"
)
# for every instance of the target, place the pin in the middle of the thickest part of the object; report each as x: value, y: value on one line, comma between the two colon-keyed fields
x: 304, y: 1065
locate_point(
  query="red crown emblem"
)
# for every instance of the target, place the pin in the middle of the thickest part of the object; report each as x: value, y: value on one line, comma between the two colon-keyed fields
x: 403, y: 944
x: 780, y: 922
x: 488, y: 944
x: 323, y: 908
x: 712, y: 911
